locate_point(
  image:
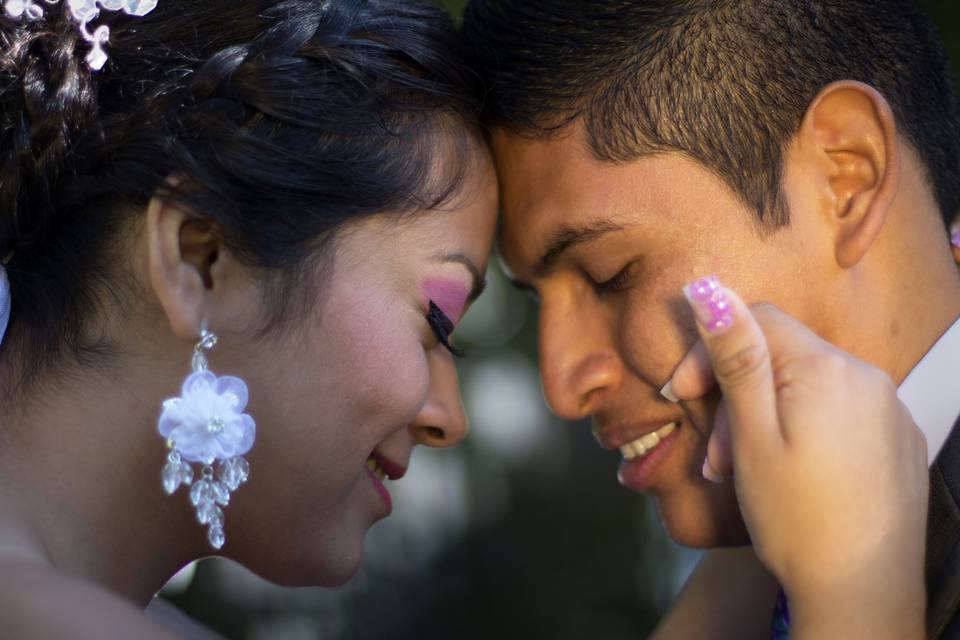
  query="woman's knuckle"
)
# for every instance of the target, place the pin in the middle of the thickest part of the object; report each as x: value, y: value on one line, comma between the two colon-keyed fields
x: 740, y: 364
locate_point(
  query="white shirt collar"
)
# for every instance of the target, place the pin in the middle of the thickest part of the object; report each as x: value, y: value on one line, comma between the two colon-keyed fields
x: 932, y: 390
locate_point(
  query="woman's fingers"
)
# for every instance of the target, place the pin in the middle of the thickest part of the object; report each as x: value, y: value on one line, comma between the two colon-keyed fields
x: 693, y: 378
x: 811, y: 431
x: 741, y: 363
x: 719, y: 462
x: 746, y: 347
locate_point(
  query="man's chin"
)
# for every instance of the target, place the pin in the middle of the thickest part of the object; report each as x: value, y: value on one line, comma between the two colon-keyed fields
x: 702, y: 521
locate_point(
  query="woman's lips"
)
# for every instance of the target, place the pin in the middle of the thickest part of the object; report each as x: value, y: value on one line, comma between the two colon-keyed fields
x: 393, y: 470
x: 378, y: 468
x: 640, y: 472
x: 380, y: 487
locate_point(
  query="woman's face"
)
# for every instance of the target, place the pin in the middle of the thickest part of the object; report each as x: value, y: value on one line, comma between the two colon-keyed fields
x: 361, y: 380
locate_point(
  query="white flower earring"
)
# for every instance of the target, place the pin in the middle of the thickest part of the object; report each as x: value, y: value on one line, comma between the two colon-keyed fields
x: 206, y: 425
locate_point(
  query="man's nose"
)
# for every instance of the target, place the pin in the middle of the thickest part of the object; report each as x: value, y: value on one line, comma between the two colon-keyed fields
x: 579, y: 365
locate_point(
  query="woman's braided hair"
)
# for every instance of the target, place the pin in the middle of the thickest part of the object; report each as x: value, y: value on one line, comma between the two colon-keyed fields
x: 287, y: 120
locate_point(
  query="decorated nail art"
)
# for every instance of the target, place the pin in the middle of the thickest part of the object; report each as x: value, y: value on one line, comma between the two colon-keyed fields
x: 709, y: 303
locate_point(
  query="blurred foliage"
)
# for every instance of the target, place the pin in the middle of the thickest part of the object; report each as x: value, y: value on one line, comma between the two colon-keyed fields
x: 453, y: 6
x: 547, y: 546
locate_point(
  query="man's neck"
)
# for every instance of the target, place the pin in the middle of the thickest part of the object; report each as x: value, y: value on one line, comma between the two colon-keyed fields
x: 896, y: 310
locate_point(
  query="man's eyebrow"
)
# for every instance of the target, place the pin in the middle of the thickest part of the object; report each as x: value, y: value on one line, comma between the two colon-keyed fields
x: 569, y: 236
x: 479, y: 281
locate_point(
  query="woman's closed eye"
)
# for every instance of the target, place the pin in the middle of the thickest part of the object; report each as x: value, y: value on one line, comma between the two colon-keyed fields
x: 443, y: 327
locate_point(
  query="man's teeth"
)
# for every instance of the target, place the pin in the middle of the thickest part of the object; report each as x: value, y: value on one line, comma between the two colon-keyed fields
x: 642, y: 446
x: 373, y: 466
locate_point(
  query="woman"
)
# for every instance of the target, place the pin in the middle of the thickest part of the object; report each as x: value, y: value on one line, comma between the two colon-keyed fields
x: 252, y: 230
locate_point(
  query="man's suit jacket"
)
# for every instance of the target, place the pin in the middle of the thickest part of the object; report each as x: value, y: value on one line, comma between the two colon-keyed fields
x: 943, y: 543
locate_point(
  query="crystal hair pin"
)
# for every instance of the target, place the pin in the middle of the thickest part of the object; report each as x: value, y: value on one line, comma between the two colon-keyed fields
x: 83, y: 12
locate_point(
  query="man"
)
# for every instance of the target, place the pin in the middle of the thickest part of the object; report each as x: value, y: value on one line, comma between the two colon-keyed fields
x: 806, y: 152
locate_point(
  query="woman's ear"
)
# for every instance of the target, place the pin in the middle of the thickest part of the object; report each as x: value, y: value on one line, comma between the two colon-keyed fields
x: 851, y: 130
x: 181, y: 254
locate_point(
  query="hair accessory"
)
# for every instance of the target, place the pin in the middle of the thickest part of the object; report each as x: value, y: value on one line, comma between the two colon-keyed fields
x: 83, y: 13
x: 206, y: 425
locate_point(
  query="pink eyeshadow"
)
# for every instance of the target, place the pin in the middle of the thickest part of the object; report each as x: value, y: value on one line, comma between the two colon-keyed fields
x: 449, y: 295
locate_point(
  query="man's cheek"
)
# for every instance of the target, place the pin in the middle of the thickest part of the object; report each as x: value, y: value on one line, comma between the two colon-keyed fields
x: 654, y: 344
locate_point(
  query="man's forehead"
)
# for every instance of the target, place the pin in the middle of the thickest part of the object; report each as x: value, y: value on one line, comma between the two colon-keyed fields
x: 533, y: 168
x: 554, y: 192
x: 542, y: 179
x: 555, y: 182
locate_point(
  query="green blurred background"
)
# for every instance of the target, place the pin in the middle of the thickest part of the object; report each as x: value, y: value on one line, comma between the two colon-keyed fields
x: 522, y: 532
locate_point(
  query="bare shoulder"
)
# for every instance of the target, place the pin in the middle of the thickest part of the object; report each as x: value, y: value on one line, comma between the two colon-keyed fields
x: 37, y: 602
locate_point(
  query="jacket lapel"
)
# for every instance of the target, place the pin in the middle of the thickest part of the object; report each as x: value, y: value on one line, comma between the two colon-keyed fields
x: 943, y: 542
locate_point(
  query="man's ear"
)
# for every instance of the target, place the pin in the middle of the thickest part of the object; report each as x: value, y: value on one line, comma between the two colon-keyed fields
x: 852, y: 129
x: 181, y: 254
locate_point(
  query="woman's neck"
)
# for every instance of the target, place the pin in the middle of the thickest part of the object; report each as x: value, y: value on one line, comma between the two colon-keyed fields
x: 80, y: 486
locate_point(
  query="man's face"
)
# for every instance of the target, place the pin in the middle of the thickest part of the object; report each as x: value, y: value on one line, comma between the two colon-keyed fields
x: 620, y: 241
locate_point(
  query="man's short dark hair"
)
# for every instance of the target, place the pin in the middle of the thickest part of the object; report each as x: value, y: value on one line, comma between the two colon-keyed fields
x: 726, y: 82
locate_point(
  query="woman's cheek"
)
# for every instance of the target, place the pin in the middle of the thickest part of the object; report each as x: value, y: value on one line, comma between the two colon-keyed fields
x: 396, y: 379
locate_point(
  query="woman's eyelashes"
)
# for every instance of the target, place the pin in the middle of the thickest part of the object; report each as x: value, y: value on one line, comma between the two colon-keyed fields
x: 443, y: 327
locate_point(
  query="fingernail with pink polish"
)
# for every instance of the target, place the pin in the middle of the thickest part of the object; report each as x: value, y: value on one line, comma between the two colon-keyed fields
x: 710, y: 474
x: 709, y: 303
x: 955, y: 238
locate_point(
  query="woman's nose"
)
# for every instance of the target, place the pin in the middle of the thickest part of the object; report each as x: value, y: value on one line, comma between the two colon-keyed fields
x: 441, y: 421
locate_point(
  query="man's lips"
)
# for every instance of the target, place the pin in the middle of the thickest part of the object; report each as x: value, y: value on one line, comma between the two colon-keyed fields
x: 615, y: 436
x: 643, y: 445
x: 640, y: 473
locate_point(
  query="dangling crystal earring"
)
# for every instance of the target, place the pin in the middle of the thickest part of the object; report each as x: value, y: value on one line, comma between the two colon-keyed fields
x: 206, y: 425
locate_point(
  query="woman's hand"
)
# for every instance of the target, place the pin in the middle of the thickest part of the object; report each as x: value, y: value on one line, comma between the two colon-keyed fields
x: 830, y: 469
